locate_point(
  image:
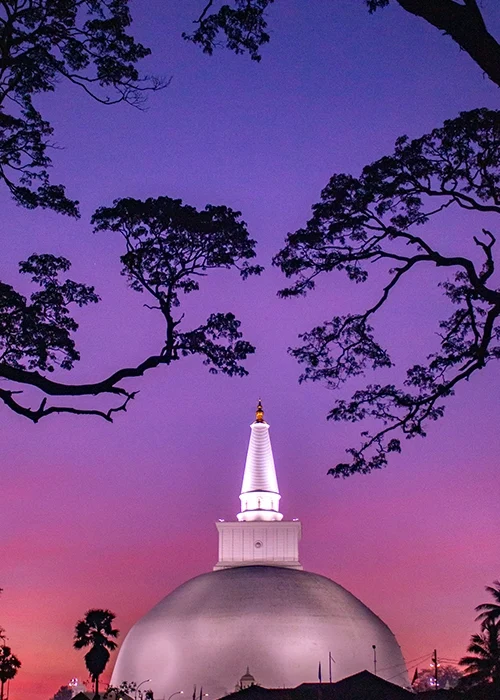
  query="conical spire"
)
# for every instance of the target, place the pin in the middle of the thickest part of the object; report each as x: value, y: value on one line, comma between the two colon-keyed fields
x: 259, y: 493
x: 260, y: 537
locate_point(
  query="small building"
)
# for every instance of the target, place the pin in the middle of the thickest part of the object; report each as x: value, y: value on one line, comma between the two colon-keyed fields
x: 360, y: 686
x: 246, y: 680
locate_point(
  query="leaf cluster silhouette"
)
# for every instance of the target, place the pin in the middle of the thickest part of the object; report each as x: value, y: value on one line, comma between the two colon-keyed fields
x: 490, y: 612
x: 9, y: 666
x: 482, y: 663
x: 379, y: 219
x: 44, y: 43
x: 169, y: 246
x: 374, y: 218
x: 241, y: 26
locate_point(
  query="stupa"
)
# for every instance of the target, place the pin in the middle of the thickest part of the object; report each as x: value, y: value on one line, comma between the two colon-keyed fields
x: 257, y: 609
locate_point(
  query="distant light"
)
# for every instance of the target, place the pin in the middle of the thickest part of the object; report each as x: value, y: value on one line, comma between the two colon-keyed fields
x: 295, y: 520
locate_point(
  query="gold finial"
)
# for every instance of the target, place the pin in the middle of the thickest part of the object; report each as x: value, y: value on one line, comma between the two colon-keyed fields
x: 259, y: 413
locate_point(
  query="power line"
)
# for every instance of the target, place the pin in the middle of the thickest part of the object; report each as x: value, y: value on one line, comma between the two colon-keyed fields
x: 405, y: 663
x: 417, y: 660
x: 396, y: 676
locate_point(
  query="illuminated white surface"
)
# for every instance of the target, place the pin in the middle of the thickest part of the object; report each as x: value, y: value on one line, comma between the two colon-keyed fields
x: 270, y: 543
x: 260, y: 496
x: 260, y: 536
x: 279, y: 622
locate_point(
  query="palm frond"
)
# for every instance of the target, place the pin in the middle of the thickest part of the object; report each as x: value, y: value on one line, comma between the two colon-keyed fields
x: 80, y: 643
x: 490, y: 612
x: 483, y: 663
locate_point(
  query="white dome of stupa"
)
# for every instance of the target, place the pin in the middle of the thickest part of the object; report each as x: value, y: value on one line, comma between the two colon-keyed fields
x: 258, y: 609
x: 279, y: 622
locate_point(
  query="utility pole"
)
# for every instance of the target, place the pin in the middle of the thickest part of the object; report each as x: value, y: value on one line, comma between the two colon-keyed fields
x: 436, y: 666
x: 330, y: 659
x: 374, y: 647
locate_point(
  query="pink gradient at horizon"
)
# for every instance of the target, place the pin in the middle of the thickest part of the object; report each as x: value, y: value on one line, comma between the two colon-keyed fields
x: 116, y: 516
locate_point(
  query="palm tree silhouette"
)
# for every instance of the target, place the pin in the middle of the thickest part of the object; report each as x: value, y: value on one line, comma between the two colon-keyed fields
x: 9, y: 666
x: 94, y: 631
x: 484, y: 666
x: 490, y: 612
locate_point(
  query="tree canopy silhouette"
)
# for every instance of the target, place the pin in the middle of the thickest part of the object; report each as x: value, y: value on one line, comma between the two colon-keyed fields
x: 127, y: 690
x: 449, y: 677
x: 243, y: 24
x: 482, y: 663
x: 372, y: 219
x: 379, y: 220
x: 463, y: 21
x: 64, y: 693
x: 9, y: 666
x: 96, y: 631
x: 490, y: 612
x: 44, y: 43
x: 88, y: 44
x: 169, y: 247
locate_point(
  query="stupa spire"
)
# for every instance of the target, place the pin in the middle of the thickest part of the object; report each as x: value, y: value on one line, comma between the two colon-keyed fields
x: 260, y: 537
x: 260, y: 496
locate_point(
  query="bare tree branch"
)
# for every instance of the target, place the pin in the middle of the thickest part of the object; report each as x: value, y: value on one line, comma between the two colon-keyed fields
x: 43, y: 410
x: 168, y: 246
x: 243, y: 23
x: 373, y: 219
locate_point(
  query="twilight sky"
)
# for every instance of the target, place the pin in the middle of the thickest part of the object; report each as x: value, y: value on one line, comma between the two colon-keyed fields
x: 98, y: 515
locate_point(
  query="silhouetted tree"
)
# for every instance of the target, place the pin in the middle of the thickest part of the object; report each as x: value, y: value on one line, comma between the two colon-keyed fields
x: 9, y: 666
x: 243, y: 23
x: 379, y: 219
x: 87, y: 44
x: 449, y: 676
x: 125, y: 690
x: 96, y: 631
x: 64, y: 693
x: 169, y: 246
x: 482, y: 666
x: 44, y: 43
x: 490, y: 612
x: 463, y: 21
x: 368, y: 219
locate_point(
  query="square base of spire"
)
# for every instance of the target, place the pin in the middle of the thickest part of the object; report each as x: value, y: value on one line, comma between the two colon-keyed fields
x: 273, y: 543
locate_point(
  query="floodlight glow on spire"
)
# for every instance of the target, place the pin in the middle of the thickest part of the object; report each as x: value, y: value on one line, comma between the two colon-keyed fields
x: 259, y: 493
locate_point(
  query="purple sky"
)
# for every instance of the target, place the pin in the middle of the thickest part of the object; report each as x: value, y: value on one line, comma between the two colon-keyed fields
x: 98, y: 515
